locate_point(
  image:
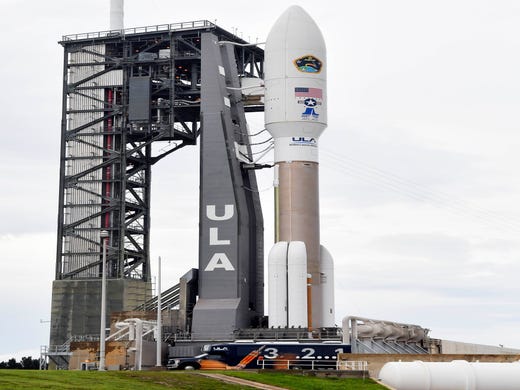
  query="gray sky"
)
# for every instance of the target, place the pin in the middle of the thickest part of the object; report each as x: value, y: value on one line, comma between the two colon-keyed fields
x: 418, y: 166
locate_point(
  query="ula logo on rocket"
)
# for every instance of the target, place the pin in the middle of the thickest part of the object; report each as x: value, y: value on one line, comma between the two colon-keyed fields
x: 307, y: 141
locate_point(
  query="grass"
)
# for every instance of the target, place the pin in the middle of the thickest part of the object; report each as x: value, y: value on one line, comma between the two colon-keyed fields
x: 300, y: 382
x: 94, y: 380
x: 152, y: 380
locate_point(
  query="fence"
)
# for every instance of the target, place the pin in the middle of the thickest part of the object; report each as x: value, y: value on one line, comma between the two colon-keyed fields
x: 312, y: 364
x: 140, y: 30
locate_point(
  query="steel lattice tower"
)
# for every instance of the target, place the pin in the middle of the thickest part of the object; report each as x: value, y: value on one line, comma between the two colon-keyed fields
x: 123, y: 92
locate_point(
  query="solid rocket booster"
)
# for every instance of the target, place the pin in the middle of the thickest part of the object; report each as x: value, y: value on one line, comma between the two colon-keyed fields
x: 296, y: 115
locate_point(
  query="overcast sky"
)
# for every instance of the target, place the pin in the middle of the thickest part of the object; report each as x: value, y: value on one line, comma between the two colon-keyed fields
x: 420, y: 192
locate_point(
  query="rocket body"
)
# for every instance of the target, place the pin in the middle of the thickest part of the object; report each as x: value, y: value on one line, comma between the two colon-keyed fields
x: 296, y: 115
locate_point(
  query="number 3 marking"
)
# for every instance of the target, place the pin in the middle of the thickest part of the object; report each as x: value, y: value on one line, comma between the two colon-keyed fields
x: 270, y: 353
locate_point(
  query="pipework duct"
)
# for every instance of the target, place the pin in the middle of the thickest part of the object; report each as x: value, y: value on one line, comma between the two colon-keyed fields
x: 116, y: 14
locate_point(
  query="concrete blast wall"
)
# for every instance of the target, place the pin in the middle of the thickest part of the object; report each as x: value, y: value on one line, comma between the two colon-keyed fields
x: 76, y: 305
x: 457, y: 347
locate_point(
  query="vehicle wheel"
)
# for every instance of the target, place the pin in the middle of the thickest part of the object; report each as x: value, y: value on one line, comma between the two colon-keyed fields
x: 189, y: 367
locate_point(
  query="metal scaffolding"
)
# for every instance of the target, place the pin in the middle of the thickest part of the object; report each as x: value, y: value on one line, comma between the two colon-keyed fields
x: 130, y: 98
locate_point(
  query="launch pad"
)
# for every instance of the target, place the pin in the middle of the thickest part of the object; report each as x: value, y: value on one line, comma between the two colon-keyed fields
x: 131, y: 97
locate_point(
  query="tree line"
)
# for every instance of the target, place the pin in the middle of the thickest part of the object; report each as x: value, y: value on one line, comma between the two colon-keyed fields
x: 25, y: 363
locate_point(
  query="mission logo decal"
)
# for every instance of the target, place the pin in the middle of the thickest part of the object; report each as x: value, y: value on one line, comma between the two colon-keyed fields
x: 308, y: 64
x: 311, y: 99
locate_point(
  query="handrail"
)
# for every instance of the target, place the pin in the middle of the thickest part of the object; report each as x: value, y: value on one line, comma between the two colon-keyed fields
x: 311, y: 364
x: 196, y: 24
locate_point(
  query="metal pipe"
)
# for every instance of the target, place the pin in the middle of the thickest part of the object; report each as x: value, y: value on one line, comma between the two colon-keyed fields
x: 116, y: 14
x: 159, y: 318
x: 108, y: 170
x: 309, y: 301
x: 138, y: 344
x: 276, y: 185
x: 102, y: 327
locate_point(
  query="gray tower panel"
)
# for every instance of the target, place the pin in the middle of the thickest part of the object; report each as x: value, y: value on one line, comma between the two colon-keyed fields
x: 139, y: 99
x: 230, y: 217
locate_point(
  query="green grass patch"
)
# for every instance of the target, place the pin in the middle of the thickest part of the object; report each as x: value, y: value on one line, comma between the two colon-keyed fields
x: 299, y: 381
x: 94, y: 380
x: 152, y: 380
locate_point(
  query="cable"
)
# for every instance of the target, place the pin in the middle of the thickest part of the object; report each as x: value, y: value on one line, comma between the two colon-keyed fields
x: 263, y: 150
x: 252, y: 190
x: 417, y: 191
x: 261, y: 143
x: 260, y: 132
x: 244, y: 88
x: 240, y: 44
x: 251, y: 135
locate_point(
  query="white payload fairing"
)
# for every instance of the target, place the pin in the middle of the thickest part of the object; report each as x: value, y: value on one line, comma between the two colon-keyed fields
x: 301, y: 280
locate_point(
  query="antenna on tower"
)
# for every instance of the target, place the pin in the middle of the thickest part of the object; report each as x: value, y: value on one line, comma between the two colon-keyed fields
x: 116, y: 14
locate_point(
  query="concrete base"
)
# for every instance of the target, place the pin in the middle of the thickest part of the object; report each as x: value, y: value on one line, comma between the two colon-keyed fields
x: 119, y: 355
x: 216, y: 319
x: 76, y: 305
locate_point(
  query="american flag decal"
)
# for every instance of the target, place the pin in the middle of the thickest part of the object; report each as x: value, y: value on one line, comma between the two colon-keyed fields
x: 308, y: 92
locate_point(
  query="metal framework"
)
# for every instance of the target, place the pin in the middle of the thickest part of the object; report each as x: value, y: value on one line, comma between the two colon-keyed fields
x: 108, y: 136
x: 130, y: 98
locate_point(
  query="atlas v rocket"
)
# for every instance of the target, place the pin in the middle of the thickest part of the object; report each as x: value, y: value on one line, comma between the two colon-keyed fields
x: 301, y: 272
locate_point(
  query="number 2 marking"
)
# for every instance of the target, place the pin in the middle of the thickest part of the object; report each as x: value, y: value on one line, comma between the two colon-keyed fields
x: 310, y: 353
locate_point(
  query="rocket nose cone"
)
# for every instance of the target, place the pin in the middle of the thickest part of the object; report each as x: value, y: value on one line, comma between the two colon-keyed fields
x: 296, y: 10
x: 293, y: 23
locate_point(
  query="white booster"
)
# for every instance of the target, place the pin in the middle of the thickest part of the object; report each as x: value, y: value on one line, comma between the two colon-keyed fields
x: 277, y: 281
x: 326, y: 287
x: 295, y: 96
x: 287, y: 295
x: 297, y: 284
